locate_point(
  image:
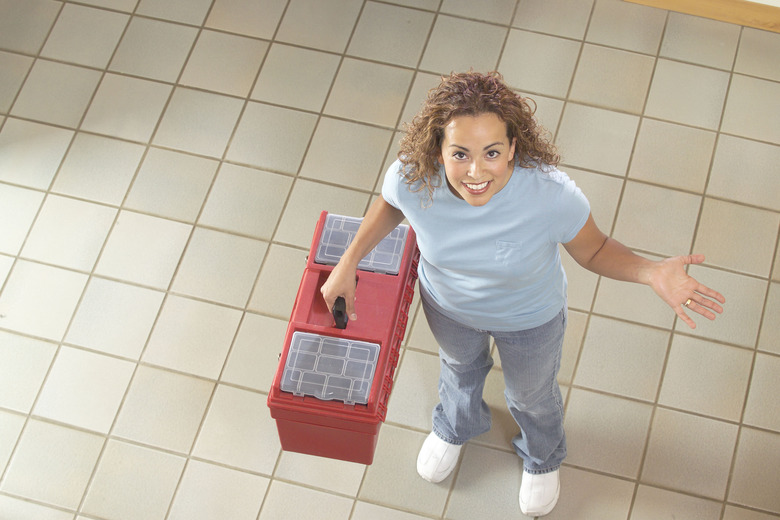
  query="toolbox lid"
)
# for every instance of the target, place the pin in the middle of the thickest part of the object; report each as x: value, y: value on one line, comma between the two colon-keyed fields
x: 330, y: 368
x: 338, y: 233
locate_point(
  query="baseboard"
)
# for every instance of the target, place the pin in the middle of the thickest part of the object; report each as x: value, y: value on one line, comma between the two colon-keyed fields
x: 740, y: 12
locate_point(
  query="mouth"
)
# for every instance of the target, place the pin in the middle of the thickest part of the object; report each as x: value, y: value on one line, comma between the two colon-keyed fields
x: 476, y: 189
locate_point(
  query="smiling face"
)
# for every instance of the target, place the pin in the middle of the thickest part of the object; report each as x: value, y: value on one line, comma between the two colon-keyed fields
x: 478, y: 157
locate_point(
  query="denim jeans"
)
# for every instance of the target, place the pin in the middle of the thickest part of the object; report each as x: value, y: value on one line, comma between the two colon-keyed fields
x: 530, y: 360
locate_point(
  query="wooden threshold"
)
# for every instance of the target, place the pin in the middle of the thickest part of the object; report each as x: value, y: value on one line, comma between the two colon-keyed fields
x: 740, y: 12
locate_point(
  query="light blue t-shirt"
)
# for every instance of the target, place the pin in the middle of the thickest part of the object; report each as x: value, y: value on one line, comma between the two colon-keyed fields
x: 497, y: 266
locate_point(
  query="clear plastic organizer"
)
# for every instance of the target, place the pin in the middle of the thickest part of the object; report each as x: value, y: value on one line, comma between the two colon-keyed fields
x: 337, y: 235
x: 330, y: 368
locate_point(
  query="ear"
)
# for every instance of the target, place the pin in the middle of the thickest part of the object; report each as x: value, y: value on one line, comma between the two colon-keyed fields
x: 512, y: 149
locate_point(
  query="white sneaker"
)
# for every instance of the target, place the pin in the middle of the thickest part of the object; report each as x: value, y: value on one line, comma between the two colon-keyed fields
x: 437, y: 458
x: 539, y: 493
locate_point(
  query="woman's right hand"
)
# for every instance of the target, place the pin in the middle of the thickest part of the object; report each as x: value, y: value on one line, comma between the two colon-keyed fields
x: 341, y: 282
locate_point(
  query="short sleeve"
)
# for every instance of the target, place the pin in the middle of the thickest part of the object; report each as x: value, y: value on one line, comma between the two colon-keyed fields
x: 392, y: 184
x: 573, y: 208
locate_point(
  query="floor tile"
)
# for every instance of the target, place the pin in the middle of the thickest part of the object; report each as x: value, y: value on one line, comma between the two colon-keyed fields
x: 754, y: 184
x: 448, y: 51
x: 220, y: 267
x: 69, y: 233
x: 192, y: 337
x: 672, y: 155
x: 477, y: 489
x: 163, y: 409
x: 770, y: 329
x: 324, y: 25
x: 706, y: 378
x: 52, y: 464
x: 185, y: 11
x: 153, y: 49
x: 143, y: 249
x: 296, y: 227
x: 255, y: 353
x: 627, y: 26
x: 603, y: 193
x: 762, y: 409
x: 687, y: 94
x: 327, y: 474
x: 754, y: 482
x: 115, y: 318
x: 147, y: 477
x: 499, y: 11
x: 296, y: 77
x: 24, y: 363
x: 596, y: 139
x: 745, y: 108
x: 277, y: 285
x: 126, y: 107
x: 622, y: 358
x: 552, y: 59
x: 581, y: 282
x: 18, y: 209
x: 15, y: 69
x: 288, y: 502
x: 722, y: 236
x: 98, y: 168
x: 24, y: 25
x: 667, y: 232
x: 545, y: 16
x: 346, y: 153
x: 394, y: 461
x: 239, y: 497
x: 740, y: 320
x: 653, y: 503
x: 40, y: 300
x: 415, y: 391
x: 224, y: 63
x: 264, y: 130
x: 198, y: 122
x: 757, y: 49
x: 645, y: 306
x: 606, y: 433
x: 171, y: 184
x: 246, y: 201
x: 18, y: 508
x: 368, y: 92
x: 56, y: 93
x: 390, y: 34
x: 85, y: 36
x: 612, y: 78
x: 586, y: 495
x: 32, y: 152
x: 126, y: 6
x: 422, y: 83
x: 238, y: 431
x: 419, y: 335
x: 10, y: 428
x: 700, y: 40
x: 738, y: 513
x: 366, y: 511
x: 84, y: 389
x: 689, y: 453
x: 246, y: 17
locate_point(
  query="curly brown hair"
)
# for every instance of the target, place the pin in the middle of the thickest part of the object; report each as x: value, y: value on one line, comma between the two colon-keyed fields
x: 470, y: 94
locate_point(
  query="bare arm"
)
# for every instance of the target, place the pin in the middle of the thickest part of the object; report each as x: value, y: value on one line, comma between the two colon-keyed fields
x: 605, y: 256
x: 379, y: 221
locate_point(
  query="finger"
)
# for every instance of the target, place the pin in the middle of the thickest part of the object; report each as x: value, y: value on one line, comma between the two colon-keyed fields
x: 685, y: 318
x: 710, y: 304
x: 693, y: 259
x: 701, y: 309
x: 706, y: 291
x: 350, y: 301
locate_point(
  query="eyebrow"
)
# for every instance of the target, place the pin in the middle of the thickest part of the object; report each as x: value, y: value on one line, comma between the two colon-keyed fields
x: 499, y: 143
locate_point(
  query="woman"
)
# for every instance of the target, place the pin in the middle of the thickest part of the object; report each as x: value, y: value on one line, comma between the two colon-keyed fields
x: 478, y: 182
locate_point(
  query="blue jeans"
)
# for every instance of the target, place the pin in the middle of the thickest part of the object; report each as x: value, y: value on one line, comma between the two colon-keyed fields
x: 530, y: 360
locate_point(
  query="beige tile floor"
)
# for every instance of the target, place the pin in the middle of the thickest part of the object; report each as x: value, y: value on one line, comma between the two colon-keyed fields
x: 162, y: 164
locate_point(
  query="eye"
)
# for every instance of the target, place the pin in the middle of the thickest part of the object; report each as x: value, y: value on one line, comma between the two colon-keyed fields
x: 459, y: 156
x: 493, y: 154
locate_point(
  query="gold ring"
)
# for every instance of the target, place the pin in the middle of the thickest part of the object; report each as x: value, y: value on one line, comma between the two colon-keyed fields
x: 687, y: 302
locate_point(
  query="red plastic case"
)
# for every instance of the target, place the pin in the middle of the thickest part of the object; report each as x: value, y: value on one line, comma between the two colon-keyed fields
x: 333, y: 428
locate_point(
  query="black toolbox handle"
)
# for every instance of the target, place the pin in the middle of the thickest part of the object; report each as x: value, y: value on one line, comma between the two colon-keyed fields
x: 340, y: 313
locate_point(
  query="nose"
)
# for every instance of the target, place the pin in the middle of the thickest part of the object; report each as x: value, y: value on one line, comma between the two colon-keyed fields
x: 474, y: 168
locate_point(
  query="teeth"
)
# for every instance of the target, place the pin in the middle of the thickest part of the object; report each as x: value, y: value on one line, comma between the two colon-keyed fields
x: 476, y: 187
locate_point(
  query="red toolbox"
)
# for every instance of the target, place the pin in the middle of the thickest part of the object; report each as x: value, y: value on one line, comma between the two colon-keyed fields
x: 329, y: 395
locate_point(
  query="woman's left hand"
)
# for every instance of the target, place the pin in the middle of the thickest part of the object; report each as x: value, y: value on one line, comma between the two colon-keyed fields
x: 681, y: 291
